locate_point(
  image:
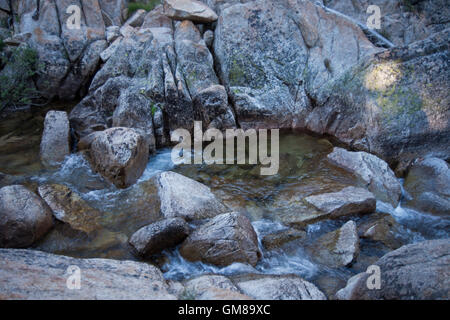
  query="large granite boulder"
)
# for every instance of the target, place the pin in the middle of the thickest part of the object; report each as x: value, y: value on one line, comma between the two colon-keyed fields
x: 373, y: 172
x: 55, y: 142
x: 415, y: 271
x: 428, y: 186
x: 120, y: 155
x: 186, y: 198
x: 24, y: 217
x: 225, y: 239
x: 348, y: 201
x: 100, y: 279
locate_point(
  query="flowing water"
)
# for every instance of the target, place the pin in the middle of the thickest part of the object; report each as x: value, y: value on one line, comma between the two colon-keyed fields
x: 273, y: 204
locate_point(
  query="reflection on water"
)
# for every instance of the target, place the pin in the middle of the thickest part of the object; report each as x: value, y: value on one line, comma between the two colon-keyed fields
x: 273, y: 203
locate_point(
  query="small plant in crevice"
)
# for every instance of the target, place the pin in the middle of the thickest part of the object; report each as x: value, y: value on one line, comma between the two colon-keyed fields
x: 16, y: 79
x: 146, y: 5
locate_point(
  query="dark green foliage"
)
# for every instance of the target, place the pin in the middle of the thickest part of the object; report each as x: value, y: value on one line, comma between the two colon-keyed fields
x: 146, y: 5
x: 16, y: 86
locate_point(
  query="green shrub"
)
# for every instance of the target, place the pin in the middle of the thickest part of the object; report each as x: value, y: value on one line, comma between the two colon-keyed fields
x: 147, y: 6
x: 16, y: 79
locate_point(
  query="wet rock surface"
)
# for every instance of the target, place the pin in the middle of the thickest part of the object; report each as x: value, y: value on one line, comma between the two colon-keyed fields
x: 428, y: 185
x: 55, y: 142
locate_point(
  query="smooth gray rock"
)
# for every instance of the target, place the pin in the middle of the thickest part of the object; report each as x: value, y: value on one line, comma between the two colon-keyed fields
x: 24, y: 217
x: 186, y: 198
x: 101, y: 279
x: 158, y: 236
x: 225, y: 239
x: 350, y: 200
x: 413, y: 272
x: 280, y: 288
x: 428, y: 185
x: 55, y: 142
x: 372, y: 171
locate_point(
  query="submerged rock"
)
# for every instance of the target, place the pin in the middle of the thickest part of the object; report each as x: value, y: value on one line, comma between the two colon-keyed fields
x: 225, y: 239
x: 103, y: 279
x: 348, y: 201
x: 189, y: 10
x: 24, y: 217
x: 280, y: 288
x: 70, y: 208
x: 381, y: 227
x: 186, y: 198
x: 416, y: 271
x: 338, y: 248
x: 55, y: 143
x: 120, y: 155
x: 428, y: 184
x: 156, y: 237
x: 374, y: 173
x: 276, y: 240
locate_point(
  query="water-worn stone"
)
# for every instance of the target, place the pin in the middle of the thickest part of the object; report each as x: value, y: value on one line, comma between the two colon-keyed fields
x: 212, y: 287
x: 55, y: 142
x: 24, y: 217
x: 280, y: 288
x: 120, y: 155
x: 156, y: 237
x: 374, y: 173
x: 350, y: 200
x: 101, y: 279
x: 381, y: 227
x: 338, y: 248
x: 186, y: 198
x: 189, y: 10
x: 70, y: 208
x: 428, y: 185
x: 225, y: 239
x: 416, y: 271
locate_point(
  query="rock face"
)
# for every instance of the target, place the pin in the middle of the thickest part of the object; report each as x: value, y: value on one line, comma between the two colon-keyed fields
x: 415, y: 271
x: 338, y: 248
x: 348, y: 201
x: 164, y: 234
x: 55, y: 143
x: 24, y: 217
x: 120, y: 155
x: 189, y: 10
x: 101, y: 279
x: 186, y: 198
x: 428, y: 184
x: 225, y: 239
x: 373, y: 172
x: 280, y: 288
x: 403, y: 22
x: 212, y: 287
x: 68, y: 207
